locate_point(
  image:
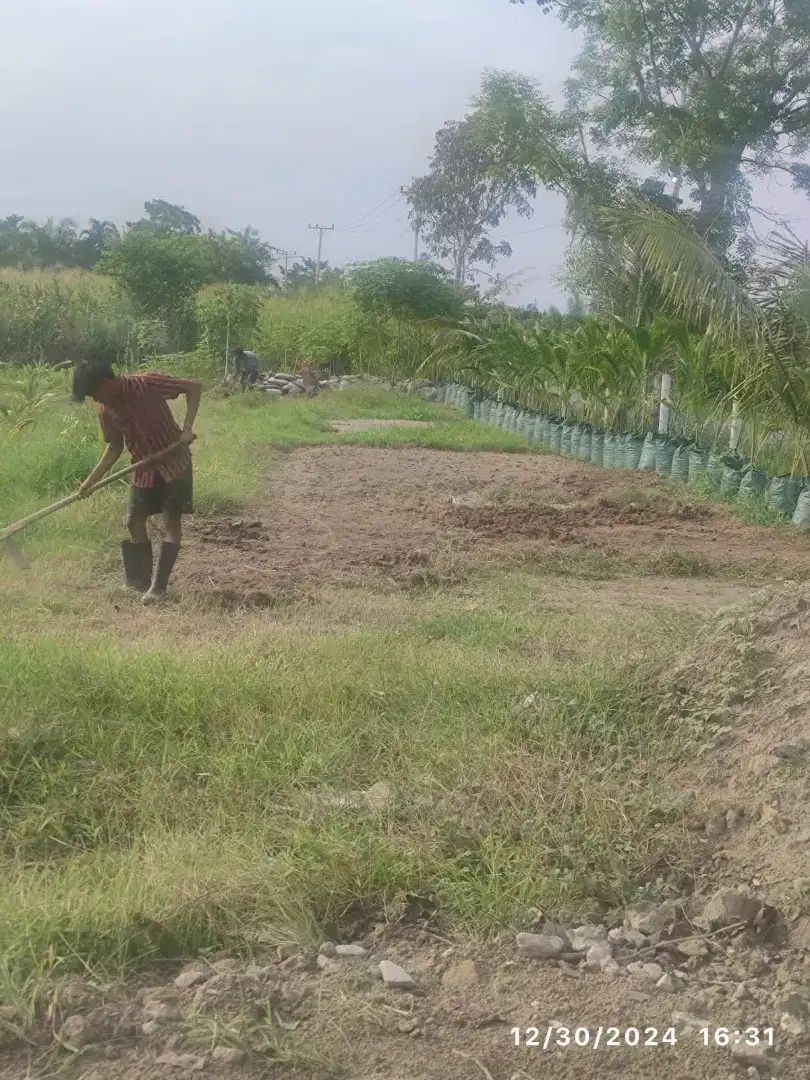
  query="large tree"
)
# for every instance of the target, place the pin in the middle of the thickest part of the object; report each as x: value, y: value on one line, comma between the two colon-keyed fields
x: 708, y: 91
x: 461, y: 199
x: 165, y: 217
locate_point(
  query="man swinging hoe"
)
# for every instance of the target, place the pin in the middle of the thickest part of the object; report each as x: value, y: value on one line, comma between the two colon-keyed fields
x: 133, y: 413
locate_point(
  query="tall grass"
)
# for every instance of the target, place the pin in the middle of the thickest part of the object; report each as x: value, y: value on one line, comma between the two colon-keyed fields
x: 71, y: 315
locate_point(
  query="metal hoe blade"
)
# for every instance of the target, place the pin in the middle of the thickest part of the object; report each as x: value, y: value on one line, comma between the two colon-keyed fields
x: 17, y: 556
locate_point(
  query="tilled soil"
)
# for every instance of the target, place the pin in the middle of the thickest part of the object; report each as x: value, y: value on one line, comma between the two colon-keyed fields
x: 350, y: 515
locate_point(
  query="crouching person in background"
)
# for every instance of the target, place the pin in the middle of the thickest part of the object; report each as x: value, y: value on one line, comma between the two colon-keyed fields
x: 247, y: 366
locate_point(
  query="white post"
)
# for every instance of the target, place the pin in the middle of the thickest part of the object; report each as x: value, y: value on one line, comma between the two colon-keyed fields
x: 663, y: 408
x: 736, y: 426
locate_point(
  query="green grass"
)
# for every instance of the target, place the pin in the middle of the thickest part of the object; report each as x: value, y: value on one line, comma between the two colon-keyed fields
x: 170, y: 799
x: 198, y: 784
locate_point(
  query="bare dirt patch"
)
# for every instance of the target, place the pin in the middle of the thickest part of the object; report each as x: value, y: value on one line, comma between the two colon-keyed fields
x: 332, y: 1017
x: 353, y: 515
x: 361, y: 425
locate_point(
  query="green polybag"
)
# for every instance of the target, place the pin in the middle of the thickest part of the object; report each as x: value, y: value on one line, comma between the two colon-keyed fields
x: 697, y: 464
x: 632, y: 451
x: 752, y: 485
x: 714, y: 469
x: 555, y: 433
x: 680, y: 462
x: 597, y: 446
x: 565, y: 442
x: 585, y: 443
x: 783, y: 494
x: 576, y: 438
x: 609, y: 450
x: 731, y: 479
x: 801, y: 515
x: 664, y: 452
x: 647, y: 460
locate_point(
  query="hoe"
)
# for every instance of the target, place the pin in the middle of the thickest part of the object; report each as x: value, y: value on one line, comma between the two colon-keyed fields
x: 6, y: 535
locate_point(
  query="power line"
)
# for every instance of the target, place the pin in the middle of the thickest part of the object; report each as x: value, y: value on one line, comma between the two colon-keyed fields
x: 376, y: 228
x: 370, y: 213
x: 540, y: 228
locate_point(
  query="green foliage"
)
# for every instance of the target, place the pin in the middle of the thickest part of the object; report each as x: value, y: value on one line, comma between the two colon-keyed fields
x: 398, y: 289
x: 166, y: 218
x: 466, y: 194
x: 29, y: 245
x: 708, y: 92
x: 73, y: 316
x: 228, y: 315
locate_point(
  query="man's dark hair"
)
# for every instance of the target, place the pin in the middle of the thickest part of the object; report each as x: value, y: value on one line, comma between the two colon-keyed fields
x: 87, y: 378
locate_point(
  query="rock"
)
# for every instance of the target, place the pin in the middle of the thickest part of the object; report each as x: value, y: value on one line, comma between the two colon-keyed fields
x: 463, y: 975
x: 599, y: 956
x: 182, y: 1061
x: 633, y: 939
x: 186, y: 979
x: 650, y: 918
x: 793, y: 1005
x: 792, y: 1025
x: 753, y: 1073
x: 638, y: 996
x: 394, y: 975
x: 716, y: 825
x: 742, y: 993
x: 229, y: 1055
x: 749, y: 1055
x: 151, y: 1027
x: 351, y: 950
x: 174, y: 1042
x: 161, y: 1010
x: 726, y: 907
x: 667, y: 984
x: 541, y: 946
x: 292, y: 390
x: 734, y: 819
x: 379, y: 795
x: 327, y: 965
x: 227, y: 965
x: 76, y: 1032
x: 693, y: 947
x: 327, y: 948
x: 689, y: 1020
x: 584, y: 936
x: 652, y: 971
x: 408, y: 1027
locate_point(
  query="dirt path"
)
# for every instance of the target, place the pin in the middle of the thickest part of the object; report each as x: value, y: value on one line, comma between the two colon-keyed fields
x: 405, y: 516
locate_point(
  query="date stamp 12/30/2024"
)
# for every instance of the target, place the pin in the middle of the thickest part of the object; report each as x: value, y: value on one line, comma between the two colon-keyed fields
x: 555, y: 1037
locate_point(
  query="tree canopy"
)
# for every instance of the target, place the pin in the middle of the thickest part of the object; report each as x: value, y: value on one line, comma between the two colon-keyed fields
x: 462, y: 199
x: 709, y: 92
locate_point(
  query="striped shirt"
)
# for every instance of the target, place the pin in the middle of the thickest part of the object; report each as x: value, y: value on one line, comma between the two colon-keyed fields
x: 137, y: 410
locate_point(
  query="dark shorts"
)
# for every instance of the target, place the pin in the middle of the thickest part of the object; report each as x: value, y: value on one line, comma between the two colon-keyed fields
x: 172, y: 499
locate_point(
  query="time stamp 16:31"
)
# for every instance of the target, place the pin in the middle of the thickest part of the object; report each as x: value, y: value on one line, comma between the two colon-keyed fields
x: 554, y: 1037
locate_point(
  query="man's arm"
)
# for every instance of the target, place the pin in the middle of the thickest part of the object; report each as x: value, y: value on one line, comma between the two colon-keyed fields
x: 192, y: 388
x: 115, y: 447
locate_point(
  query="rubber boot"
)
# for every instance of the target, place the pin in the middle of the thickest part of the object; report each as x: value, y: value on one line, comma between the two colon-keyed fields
x: 137, y: 563
x: 163, y: 571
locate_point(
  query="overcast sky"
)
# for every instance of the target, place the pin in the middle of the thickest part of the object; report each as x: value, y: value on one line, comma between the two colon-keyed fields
x: 277, y: 113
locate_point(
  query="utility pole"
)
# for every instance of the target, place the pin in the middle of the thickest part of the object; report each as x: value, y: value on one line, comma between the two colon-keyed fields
x: 417, y: 227
x: 287, y: 256
x: 320, y: 230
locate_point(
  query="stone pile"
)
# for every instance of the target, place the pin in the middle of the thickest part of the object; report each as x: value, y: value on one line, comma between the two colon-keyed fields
x: 283, y: 384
